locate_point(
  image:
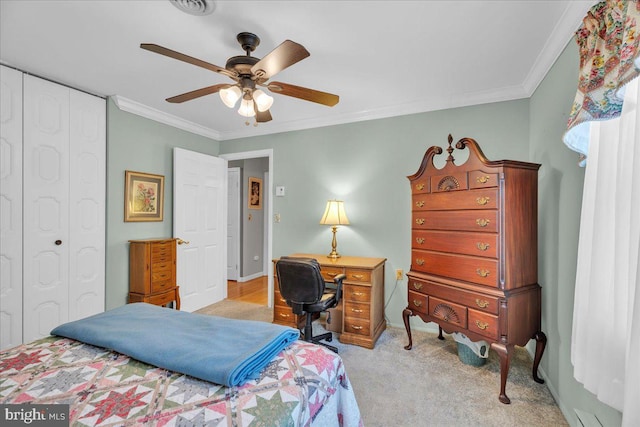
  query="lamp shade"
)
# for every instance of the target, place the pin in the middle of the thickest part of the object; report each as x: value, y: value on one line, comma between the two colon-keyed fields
x: 246, y: 108
x: 262, y: 100
x: 230, y: 96
x: 334, y: 214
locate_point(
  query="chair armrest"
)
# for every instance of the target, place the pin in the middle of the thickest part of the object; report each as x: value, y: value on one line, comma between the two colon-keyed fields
x: 338, y: 281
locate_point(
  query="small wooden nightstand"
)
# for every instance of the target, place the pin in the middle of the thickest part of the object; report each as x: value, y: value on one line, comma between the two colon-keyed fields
x: 152, y: 272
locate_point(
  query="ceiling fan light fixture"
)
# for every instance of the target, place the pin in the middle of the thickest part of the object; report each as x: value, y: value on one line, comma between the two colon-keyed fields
x: 230, y: 96
x: 262, y: 100
x: 246, y: 108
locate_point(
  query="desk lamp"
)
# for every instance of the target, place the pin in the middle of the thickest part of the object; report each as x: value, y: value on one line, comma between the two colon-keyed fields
x: 334, y: 215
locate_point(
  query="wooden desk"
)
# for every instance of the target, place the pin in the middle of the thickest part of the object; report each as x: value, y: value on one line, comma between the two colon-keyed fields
x: 362, y: 305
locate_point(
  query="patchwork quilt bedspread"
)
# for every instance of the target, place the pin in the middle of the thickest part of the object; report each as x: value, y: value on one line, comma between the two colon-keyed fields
x: 303, y: 384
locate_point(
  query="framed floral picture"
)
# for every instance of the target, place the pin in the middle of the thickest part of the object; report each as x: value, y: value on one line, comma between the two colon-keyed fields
x: 255, y: 193
x: 143, y: 197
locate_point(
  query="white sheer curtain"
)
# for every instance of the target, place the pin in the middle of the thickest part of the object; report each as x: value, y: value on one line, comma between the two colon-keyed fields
x: 605, y: 347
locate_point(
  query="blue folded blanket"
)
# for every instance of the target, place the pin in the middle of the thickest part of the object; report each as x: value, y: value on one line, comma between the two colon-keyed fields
x: 216, y: 349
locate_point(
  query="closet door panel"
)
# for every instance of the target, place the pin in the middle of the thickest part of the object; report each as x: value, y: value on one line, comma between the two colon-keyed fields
x: 10, y: 207
x: 87, y: 200
x: 46, y: 207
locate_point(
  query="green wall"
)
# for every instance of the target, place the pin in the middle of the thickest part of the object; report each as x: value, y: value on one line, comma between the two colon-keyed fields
x: 366, y: 164
x: 138, y: 144
x: 560, y: 202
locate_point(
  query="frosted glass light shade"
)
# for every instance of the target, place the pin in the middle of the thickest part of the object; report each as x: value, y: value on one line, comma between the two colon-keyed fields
x: 230, y: 96
x: 246, y: 108
x: 334, y: 214
x: 262, y: 100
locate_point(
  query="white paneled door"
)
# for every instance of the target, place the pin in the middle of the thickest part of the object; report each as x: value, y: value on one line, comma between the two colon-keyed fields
x: 10, y: 207
x: 53, y: 210
x: 200, y: 222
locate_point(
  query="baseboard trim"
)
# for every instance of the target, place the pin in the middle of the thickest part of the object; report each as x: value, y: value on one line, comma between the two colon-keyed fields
x: 251, y: 277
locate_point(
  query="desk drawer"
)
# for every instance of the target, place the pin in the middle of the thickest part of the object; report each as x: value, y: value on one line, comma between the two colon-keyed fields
x: 283, y: 315
x: 328, y: 273
x: 357, y: 309
x: 362, y: 276
x: 357, y: 326
x: 278, y: 300
x: 357, y: 293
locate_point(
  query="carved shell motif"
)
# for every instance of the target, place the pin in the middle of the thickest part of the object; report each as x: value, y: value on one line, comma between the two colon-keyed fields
x: 446, y: 313
x: 448, y: 183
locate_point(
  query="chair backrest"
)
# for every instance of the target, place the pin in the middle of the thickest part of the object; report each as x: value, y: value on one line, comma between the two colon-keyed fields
x: 300, y: 280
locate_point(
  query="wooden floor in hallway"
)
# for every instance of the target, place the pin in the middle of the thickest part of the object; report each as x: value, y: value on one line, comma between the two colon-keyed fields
x: 253, y: 291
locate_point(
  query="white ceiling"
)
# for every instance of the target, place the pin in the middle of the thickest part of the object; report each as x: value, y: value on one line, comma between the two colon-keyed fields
x: 383, y: 58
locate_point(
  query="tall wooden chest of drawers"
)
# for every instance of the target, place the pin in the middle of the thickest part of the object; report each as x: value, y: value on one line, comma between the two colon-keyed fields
x: 474, y: 251
x: 362, y: 304
x: 152, y: 272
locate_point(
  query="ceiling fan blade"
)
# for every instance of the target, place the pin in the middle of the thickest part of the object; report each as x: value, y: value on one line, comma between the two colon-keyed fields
x: 283, y: 56
x: 197, y: 93
x: 307, y: 94
x: 186, y: 58
x: 263, y: 116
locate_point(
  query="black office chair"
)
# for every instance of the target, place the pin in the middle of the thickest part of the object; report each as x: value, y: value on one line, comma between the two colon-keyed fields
x: 305, y: 291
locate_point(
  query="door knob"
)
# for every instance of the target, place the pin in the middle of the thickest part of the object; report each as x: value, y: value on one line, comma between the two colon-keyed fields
x: 182, y: 242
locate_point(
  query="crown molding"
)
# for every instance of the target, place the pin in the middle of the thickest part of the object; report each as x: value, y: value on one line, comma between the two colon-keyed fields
x: 561, y: 35
x: 139, y: 109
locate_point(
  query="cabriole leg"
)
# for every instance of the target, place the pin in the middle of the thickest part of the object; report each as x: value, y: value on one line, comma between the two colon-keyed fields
x: 541, y: 343
x: 504, y: 351
x: 405, y: 316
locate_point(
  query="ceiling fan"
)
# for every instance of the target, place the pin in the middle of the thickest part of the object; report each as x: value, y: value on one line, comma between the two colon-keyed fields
x: 250, y: 73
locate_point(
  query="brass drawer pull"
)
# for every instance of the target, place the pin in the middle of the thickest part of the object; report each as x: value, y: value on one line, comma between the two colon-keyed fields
x: 420, y: 261
x: 420, y: 240
x: 417, y: 285
x: 482, y: 200
x: 283, y: 300
x: 357, y: 328
x: 417, y: 302
x: 482, y: 303
x: 482, y: 246
x: 420, y: 203
x: 357, y: 294
x: 284, y: 315
x: 420, y: 221
x: 482, y: 273
x: 358, y: 276
x: 357, y: 310
x: 482, y: 222
x: 482, y: 325
x: 483, y: 179
x: 419, y: 187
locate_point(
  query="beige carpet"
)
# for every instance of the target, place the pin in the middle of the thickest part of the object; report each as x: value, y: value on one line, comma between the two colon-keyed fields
x: 428, y: 385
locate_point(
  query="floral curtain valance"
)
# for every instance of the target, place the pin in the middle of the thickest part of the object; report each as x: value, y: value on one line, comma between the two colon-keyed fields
x: 609, y: 47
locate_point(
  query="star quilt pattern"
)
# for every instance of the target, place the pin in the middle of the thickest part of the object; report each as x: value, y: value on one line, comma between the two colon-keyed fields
x: 302, y: 384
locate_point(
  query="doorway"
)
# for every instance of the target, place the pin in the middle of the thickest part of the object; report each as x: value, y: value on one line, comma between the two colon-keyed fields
x: 267, y: 251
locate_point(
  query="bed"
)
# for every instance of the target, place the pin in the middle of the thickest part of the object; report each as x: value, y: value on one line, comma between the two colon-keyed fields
x: 303, y: 384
